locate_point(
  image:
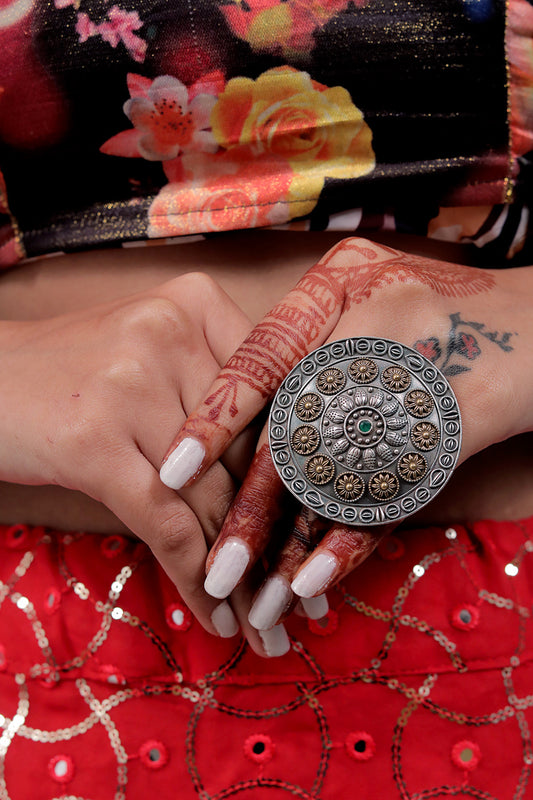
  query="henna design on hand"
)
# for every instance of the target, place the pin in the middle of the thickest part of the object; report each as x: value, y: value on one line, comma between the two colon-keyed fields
x: 294, y: 326
x: 349, y: 273
x: 261, y: 502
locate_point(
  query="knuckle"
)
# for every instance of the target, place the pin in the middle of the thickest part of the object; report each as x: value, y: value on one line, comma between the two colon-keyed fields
x: 200, y: 284
x: 216, y: 512
x: 176, y: 535
x: 126, y: 375
x: 353, y: 250
x: 154, y: 319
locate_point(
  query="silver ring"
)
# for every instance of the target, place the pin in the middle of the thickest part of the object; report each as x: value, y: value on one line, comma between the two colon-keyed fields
x: 365, y: 431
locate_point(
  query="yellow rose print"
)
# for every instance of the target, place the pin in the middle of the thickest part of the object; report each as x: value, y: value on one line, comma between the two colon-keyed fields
x: 317, y: 130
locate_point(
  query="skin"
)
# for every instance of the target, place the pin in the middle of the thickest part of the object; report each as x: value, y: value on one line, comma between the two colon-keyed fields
x: 113, y: 381
x: 110, y: 483
x: 351, y: 291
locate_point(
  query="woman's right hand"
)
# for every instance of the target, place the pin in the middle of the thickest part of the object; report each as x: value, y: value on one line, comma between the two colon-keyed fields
x: 476, y: 325
x: 90, y: 400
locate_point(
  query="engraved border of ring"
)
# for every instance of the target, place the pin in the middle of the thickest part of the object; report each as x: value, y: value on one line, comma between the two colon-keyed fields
x: 445, y: 406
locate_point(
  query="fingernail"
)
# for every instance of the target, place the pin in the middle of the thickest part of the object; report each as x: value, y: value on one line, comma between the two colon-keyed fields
x: 315, y: 576
x: 316, y: 607
x: 227, y: 569
x: 182, y: 463
x: 224, y: 621
x: 275, y: 641
x: 272, y: 600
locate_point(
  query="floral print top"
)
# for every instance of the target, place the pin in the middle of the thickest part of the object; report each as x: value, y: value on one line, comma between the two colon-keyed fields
x: 127, y: 120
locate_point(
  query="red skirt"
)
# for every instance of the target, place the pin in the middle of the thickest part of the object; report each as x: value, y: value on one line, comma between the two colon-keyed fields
x: 420, y: 686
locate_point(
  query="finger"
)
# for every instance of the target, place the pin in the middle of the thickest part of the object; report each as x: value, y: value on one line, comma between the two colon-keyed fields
x: 268, y: 643
x: 341, y: 550
x: 275, y: 600
x: 198, y: 355
x: 258, y: 507
x: 225, y: 324
x: 172, y: 531
x: 294, y: 327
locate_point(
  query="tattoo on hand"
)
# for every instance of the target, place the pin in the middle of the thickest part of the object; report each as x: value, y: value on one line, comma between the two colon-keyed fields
x: 461, y: 345
x: 349, y: 274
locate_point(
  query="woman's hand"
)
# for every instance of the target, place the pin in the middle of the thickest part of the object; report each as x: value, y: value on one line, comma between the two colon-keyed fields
x: 90, y: 401
x: 475, y: 324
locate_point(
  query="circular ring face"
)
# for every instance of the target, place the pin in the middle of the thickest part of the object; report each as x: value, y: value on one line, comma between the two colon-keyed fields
x: 365, y: 431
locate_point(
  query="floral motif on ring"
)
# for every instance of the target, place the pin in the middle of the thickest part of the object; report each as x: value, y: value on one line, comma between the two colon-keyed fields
x: 383, y: 486
x: 349, y: 487
x: 308, y: 407
x: 320, y: 469
x: 425, y: 436
x: 419, y: 403
x: 396, y: 378
x: 363, y: 370
x: 330, y: 380
x: 412, y: 467
x: 305, y: 440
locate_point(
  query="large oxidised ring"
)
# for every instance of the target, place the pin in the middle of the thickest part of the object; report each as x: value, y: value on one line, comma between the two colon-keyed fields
x: 365, y: 431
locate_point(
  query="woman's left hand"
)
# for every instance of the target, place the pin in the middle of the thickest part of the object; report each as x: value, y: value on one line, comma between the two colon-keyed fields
x: 474, y: 324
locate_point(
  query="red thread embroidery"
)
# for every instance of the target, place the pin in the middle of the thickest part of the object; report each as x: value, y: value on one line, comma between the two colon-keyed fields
x: 61, y: 768
x: 153, y: 754
x: 465, y: 617
x: 360, y: 746
x: 17, y: 536
x: 178, y: 617
x: 259, y: 748
x: 332, y: 623
x: 113, y: 546
x: 466, y: 755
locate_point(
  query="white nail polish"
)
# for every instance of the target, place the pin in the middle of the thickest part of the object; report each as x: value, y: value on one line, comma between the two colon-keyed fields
x: 227, y: 569
x: 275, y: 641
x: 315, y: 607
x: 272, y: 600
x: 314, y: 577
x: 224, y: 621
x: 182, y: 463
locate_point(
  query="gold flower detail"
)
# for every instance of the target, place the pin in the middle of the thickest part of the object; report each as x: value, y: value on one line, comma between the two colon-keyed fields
x: 320, y: 469
x: 363, y: 370
x: 396, y: 378
x: 425, y: 436
x: 412, y: 467
x: 330, y: 380
x: 349, y: 486
x: 305, y: 440
x: 308, y: 407
x: 383, y: 486
x: 419, y: 403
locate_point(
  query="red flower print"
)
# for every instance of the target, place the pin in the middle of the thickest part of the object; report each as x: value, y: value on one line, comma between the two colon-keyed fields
x: 467, y: 346
x: 168, y: 118
x: 429, y: 348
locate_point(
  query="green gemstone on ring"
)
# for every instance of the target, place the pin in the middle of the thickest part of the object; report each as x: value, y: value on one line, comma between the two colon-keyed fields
x: 365, y: 426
